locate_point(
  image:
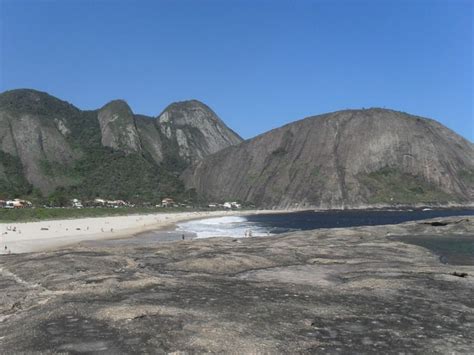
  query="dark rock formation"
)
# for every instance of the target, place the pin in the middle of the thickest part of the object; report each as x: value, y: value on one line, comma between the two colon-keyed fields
x: 342, y: 159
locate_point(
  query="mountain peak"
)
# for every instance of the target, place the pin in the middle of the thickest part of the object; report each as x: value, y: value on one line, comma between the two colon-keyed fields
x: 117, y: 104
x: 185, y: 112
x: 33, y: 101
x: 196, y: 128
x: 188, y: 104
x: 118, y: 127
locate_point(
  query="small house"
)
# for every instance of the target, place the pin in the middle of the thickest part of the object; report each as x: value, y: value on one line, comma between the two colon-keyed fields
x: 77, y: 203
x: 167, y: 202
x: 17, y: 203
x: 99, y: 201
x: 116, y: 203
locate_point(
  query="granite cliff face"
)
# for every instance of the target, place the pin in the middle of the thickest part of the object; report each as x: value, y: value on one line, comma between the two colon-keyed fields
x: 189, y: 130
x: 33, y: 131
x: 46, y: 143
x: 190, y: 124
x: 343, y: 159
x: 118, y: 128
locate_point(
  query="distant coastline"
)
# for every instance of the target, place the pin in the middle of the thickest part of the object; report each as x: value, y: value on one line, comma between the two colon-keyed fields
x: 32, y: 236
x: 25, y: 237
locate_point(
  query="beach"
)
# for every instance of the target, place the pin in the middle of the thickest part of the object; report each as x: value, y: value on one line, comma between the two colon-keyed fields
x: 51, y: 234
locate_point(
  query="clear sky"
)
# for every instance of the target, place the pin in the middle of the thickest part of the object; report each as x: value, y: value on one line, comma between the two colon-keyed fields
x: 258, y: 63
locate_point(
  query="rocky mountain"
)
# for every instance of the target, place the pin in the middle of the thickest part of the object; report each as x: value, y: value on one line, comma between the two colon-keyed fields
x: 189, y: 123
x: 48, y: 146
x: 118, y: 128
x: 349, y: 158
x: 33, y: 130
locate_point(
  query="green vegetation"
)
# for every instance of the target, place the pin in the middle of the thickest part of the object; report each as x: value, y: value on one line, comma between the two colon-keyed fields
x: 316, y: 172
x: 279, y: 152
x: 106, y: 173
x: 12, y: 182
x: 40, y: 214
x: 58, y: 170
x: 253, y: 178
x: 100, y: 172
x: 171, y: 159
x: 36, y: 102
x: 467, y: 176
x: 391, y: 186
x: 85, y: 130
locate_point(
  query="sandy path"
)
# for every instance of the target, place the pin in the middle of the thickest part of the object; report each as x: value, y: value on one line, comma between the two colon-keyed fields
x: 50, y: 234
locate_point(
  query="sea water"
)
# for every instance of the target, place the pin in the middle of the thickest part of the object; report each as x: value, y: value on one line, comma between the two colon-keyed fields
x: 271, y: 224
x: 229, y: 226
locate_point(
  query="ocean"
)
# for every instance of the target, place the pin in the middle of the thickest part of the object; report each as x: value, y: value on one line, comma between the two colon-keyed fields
x: 271, y: 224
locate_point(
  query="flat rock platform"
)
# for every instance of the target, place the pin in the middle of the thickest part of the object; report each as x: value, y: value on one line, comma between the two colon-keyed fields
x: 355, y: 290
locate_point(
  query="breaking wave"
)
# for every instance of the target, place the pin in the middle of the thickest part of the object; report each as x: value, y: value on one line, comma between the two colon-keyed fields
x: 231, y: 226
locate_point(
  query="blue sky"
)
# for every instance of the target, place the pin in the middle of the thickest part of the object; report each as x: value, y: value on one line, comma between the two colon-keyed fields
x: 258, y: 63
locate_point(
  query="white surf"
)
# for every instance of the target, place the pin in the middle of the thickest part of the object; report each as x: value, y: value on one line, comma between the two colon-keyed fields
x: 232, y: 226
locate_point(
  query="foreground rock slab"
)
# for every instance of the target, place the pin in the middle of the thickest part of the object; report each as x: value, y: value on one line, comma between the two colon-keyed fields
x: 357, y: 290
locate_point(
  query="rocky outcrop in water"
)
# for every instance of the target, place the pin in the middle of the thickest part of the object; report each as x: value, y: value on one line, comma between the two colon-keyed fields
x: 343, y: 159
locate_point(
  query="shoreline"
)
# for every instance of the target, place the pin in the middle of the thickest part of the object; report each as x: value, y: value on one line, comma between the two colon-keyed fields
x: 26, y: 237
x: 48, y: 235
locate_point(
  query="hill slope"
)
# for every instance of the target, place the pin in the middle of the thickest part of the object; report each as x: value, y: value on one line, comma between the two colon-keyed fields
x: 347, y: 158
x: 197, y: 130
x: 49, y: 146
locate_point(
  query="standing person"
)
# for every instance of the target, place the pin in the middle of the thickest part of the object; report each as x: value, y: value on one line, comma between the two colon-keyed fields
x: 182, y: 236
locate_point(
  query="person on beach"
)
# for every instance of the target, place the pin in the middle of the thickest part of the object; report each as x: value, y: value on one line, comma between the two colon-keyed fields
x: 182, y: 237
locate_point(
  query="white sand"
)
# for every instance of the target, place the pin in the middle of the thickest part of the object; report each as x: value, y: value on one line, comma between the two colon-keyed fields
x: 39, y: 236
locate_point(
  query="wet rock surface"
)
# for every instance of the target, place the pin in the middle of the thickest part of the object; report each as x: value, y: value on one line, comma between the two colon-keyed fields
x: 357, y: 290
